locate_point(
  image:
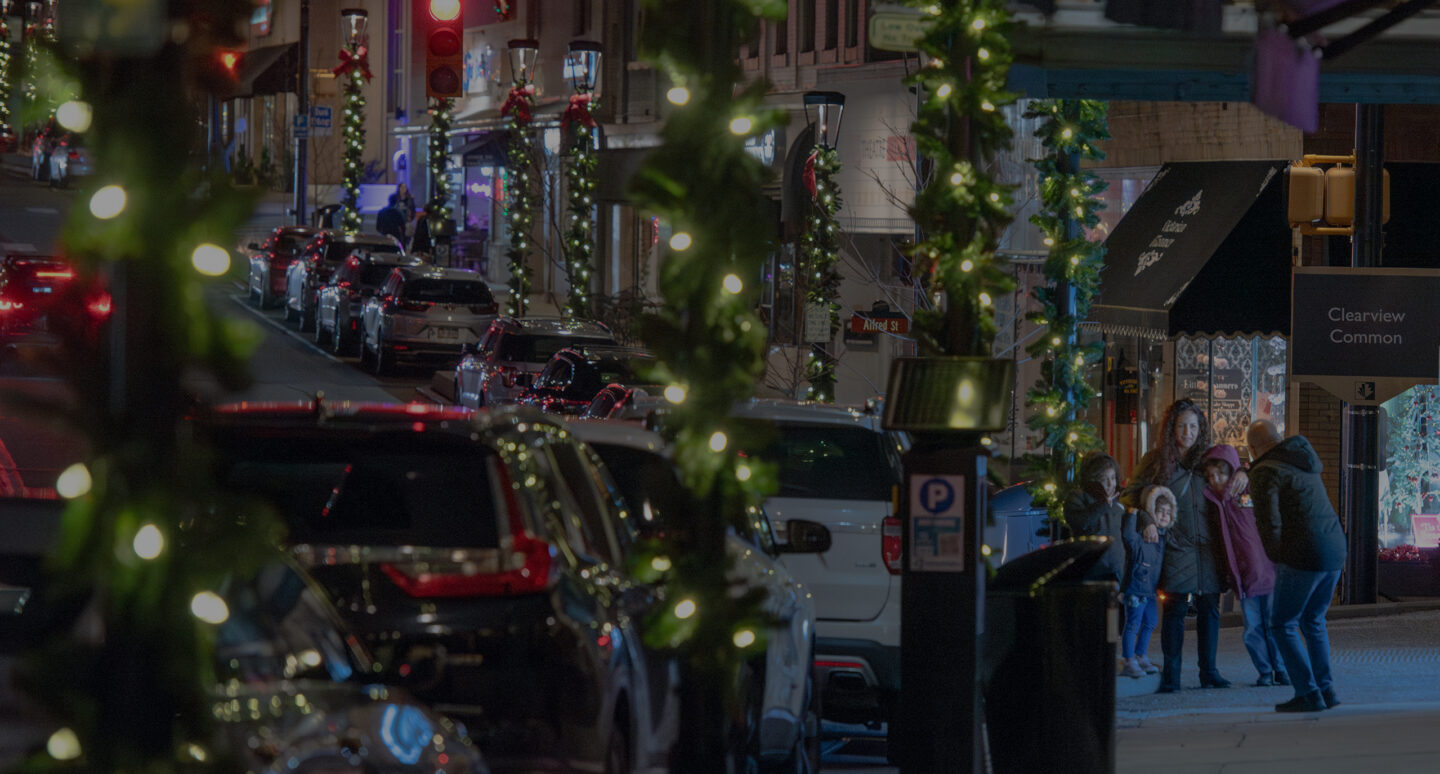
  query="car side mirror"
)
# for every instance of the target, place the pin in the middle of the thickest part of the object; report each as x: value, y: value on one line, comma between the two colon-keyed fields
x: 805, y: 537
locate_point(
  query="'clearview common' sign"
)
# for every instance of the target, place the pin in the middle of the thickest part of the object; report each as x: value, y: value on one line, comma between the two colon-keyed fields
x: 1365, y: 334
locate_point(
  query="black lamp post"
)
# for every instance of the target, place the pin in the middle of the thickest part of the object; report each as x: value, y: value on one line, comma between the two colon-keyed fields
x: 582, y: 66
x: 523, y: 52
x: 354, y: 22
x: 823, y: 110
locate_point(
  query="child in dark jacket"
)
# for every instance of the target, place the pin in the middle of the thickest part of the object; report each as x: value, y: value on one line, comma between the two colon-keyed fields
x: 1251, y: 571
x: 1142, y: 573
x: 1094, y: 510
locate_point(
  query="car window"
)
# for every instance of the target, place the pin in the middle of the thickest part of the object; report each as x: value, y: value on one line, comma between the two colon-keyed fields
x: 373, y: 275
x: 602, y: 403
x: 279, y: 628
x: 556, y: 373
x: 448, y: 291
x: 540, y: 348
x: 831, y: 462
x: 393, y: 284
x: 594, y: 517
x: 290, y: 243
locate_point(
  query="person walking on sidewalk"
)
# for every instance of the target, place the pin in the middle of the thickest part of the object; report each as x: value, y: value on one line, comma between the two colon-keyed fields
x: 1301, y: 533
x: 1251, y: 571
x: 1142, y: 573
x: 1191, y: 573
x: 1093, y: 511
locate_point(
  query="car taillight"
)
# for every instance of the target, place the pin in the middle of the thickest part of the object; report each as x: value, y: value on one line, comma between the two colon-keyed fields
x: 483, y: 308
x: 99, y: 306
x: 414, y: 306
x: 507, y: 377
x: 73, y: 155
x: 463, y: 579
x: 6, y: 305
x: 890, y: 544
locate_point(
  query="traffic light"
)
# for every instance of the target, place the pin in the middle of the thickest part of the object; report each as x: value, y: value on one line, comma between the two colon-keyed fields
x: 444, y: 53
x: 1322, y: 201
x: 229, y: 62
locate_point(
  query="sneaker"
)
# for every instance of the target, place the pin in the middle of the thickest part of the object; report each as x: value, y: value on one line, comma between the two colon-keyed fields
x: 1282, y: 679
x: 1144, y: 663
x: 1331, y: 700
x: 1213, y: 681
x: 1265, y: 681
x: 1310, y: 702
x: 1132, y: 669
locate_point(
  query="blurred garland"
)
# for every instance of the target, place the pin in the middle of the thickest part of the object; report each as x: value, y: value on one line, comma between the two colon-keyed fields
x: 519, y: 194
x: 125, y: 670
x: 820, y: 251
x: 5, y: 128
x: 29, y: 85
x: 439, y: 144
x: 1070, y: 200
x: 355, y: 70
x: 963, y: 210
x: 580, y: 182
x: 709, y: 344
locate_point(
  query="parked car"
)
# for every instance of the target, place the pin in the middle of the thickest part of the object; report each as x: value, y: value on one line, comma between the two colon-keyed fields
x: 283, y: 647
x: 338, y: 307
x: 623, y: 402
x: 424, y: 314
x: 1017, y: 525
x: 69, y: 160
x: 34, y: 289
x: 514, y: 349
x: 480, y: 554
x: 270, y: 259
x: 838, y: 467
x: 574, y: 375
x: 782, y: 701
x: 322, y: 255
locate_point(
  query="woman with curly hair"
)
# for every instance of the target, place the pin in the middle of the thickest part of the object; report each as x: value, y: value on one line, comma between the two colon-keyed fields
x: 1193, y: 572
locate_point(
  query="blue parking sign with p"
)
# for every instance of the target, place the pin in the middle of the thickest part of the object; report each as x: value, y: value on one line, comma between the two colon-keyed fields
x: 937, y: 523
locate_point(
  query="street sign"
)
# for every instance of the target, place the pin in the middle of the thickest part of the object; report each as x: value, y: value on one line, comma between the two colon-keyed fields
x: 320, y: 116
x: 897, y: 28
x: 879, y: 322
x: 817, y: 323
x: 300, y: 127
x: 937, y: 523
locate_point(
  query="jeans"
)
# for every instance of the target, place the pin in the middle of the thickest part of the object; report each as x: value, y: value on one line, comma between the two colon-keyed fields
x: 1141, y: 615
x: 1172, y: 634
x: 1259, y: 640
x: 1300, y: 601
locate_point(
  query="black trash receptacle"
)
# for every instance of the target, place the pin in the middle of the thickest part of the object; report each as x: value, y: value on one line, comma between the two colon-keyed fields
x: 1049, y: 663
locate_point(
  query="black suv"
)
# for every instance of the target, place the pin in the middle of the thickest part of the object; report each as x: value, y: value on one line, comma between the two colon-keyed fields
x: 513, y: 351
x: 481, y: 556
x: 574, y: 376
x: 322, y: 255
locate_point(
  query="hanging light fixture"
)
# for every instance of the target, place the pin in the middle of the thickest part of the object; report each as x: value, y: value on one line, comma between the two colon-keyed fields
x: 353, y: 24
x: 523, y: 54
x: 823, y: 110
x: 582, y: 66
x: 6, y: 6
x: 35, y: 11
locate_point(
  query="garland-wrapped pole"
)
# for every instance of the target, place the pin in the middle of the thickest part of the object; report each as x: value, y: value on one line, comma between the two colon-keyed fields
x: 820, y: 251
x: 709, y: 343
x: 354, y: 67
x: 519, y: 192
x: 6, y: 129
x: 580, y: 182
x: 439, y: 155
x: 1069, y: 130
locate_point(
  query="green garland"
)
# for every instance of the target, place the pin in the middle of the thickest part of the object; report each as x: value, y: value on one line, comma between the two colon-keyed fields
x: 1069, y: 200
x: 439, y: 156
x: 519, y: 193
x: 708, y: 341
x: 580, y: 236
x: 5, y: 127
x: 963, y: 210
x: 819, y: 253
x: 354, y: 152
x: 29, y: 86
x: 146, y: 532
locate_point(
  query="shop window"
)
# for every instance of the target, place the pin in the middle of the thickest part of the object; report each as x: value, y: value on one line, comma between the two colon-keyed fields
x: 1410, y: 479
x: 806, y: 30
x: 1235, y: 380
x: 780, y: 33
x: 852, y: 23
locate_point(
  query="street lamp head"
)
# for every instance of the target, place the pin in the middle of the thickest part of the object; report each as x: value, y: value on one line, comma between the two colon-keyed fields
x: 35, y: 11
x: 823, y: 110
x: 582, y: 66
x: 523, y: 54
x: 6, y: 6
x: 353, y: 22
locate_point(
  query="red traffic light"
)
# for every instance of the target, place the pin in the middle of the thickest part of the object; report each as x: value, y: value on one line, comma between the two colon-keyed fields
x: 444, y: 50
x: 230, y: 62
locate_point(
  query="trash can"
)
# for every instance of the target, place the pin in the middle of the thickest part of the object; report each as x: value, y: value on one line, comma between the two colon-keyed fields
x: 1048, y: 668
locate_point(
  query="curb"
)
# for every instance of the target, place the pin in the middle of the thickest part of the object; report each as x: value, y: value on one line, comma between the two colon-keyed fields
x: 1234, y: 620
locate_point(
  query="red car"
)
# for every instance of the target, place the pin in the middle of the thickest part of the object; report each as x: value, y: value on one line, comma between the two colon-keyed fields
x: 34, y: 289
x: 269, y: 260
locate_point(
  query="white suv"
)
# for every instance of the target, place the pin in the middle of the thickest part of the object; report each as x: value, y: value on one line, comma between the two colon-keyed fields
x: 838, y: 467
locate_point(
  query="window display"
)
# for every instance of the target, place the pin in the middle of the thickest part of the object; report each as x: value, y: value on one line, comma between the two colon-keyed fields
x: 1236, y: 379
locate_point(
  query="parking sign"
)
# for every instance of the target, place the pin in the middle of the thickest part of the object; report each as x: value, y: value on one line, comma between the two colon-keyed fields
x: 937, y: 523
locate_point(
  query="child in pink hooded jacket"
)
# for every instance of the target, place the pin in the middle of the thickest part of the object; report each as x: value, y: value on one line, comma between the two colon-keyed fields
x: 1250, y: 570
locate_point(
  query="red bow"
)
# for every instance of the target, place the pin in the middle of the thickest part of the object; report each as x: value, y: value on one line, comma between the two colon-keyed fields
x: 809, y: 176
x: 350, y: 62
x: 579, y: 111
x: 518, y: 104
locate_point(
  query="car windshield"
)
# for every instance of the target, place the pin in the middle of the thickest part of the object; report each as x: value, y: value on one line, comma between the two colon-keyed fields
x: 290, y: 244
x: 539, y: 349
x: 831, y: 462
x: 621, y: 371
x: 385, y: 490
x: 374, y: 274
x: 448, y: 291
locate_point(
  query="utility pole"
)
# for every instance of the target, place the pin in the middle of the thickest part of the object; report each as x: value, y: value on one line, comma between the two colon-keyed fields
x: 1360, y: 444
x: 302, y: 90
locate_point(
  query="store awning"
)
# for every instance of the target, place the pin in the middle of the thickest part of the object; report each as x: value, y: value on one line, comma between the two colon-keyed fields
x: 1205, y: 250
x: 484, y: 150
x: 268, y: 70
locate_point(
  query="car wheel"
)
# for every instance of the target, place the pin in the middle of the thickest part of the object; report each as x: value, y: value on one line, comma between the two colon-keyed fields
x: 321, y: 339
x: 257, y: 298
x: 804, y: 757
x: 289, y: 312
x: 617, y: 748
x: 307, y: 318
x: 340, y: 343
x: 381, y: 362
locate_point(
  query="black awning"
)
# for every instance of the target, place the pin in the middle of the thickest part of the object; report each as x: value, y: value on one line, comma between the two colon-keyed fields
x: 484, y: 150
x: 268, y: 70
x: 1206, y: 249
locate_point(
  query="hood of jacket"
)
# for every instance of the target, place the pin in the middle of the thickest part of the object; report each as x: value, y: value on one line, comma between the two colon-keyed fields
x: 1296, y: 452
x: 1154, y: 494
x: 1223, y: 451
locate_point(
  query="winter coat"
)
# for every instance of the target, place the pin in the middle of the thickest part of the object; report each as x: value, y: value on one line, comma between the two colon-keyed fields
x: 1143, y: 560
x: 1297, y: 524
x: 1192, y: 561
x: 1251, y: 571
x: 1089, y: 515
x: 420, y: 242
x: 391, y: 221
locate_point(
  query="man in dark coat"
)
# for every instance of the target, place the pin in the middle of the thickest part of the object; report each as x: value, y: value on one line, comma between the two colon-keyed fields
x: 1302, y: 536
x: 391, y: 220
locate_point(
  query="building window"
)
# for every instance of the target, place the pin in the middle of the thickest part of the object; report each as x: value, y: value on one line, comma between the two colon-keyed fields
x: 582, y: 17
x: 395, y: 65
x: 781, y: 35
x: 852, y: 23
x: 832, y: 24
x: 1235, y: 380
x: 806, y: 30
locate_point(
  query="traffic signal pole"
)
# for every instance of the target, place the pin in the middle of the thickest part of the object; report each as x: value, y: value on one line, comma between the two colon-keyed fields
x: 302, y: 90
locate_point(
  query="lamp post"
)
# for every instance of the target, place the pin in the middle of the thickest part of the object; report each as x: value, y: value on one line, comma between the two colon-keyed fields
x: 520, y: 154
x: 355, y: 69
x: 6, y: 6
x: 523, y: 53
x: 820, y: 244
x: 582, y: 71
